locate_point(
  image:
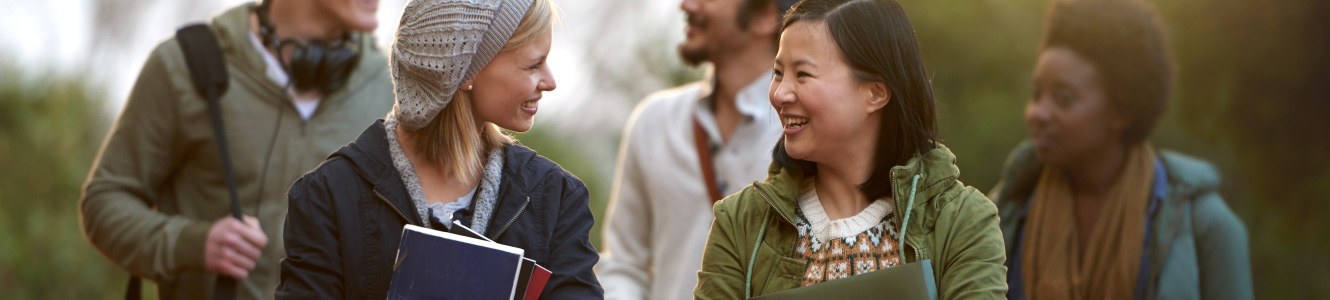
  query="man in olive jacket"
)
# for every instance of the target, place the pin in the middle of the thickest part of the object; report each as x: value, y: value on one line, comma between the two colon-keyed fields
x: 156, y: 201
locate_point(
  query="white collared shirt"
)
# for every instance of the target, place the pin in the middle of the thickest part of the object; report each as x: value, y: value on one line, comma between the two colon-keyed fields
x: 659, y: 213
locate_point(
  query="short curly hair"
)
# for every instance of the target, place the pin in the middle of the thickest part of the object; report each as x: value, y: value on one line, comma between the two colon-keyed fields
x: 1125, y: 40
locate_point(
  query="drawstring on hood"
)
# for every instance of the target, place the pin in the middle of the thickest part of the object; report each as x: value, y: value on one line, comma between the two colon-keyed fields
x: 905, y: 226
x: 748, y: 274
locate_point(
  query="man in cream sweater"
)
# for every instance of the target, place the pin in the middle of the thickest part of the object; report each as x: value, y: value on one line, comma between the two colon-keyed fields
x: 660, y: 208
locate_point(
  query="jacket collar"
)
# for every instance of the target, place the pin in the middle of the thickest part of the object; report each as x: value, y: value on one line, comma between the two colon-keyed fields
x: 751, y: 101
x: 1019, y: 176
x: 370, y: 158
x: 523, y: 172
x: 936, y: 170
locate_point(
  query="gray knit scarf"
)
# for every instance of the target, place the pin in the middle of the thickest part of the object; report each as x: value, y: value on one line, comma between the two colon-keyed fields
x: 485, y: 200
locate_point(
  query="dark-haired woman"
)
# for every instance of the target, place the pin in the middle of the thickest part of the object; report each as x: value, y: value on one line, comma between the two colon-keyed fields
x: 1089, y: 209
x: 858, y: 182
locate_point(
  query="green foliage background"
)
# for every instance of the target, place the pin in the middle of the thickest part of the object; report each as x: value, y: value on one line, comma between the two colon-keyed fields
x: 1252, y: 97
x: 49, y: 132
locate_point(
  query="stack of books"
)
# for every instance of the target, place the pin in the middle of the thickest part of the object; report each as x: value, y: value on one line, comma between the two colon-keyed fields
x: 461, y: 264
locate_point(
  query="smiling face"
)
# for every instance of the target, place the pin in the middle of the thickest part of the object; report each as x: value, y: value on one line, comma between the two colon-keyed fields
x: 355, y: 15
x: 1069, y: 115
x: 826, y: 110
x: 508, y: 90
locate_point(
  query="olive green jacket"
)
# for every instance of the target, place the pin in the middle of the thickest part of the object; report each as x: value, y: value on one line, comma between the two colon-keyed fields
x: 157, y: 186
x: 750, y: 249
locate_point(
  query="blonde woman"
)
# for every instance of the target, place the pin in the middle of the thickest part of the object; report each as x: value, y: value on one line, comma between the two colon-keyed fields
x: 462, y: 69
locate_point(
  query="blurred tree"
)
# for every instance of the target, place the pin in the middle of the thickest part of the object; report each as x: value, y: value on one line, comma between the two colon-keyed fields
x: 980, y: 54
x: 49, y: 132
x: 1255, y: 80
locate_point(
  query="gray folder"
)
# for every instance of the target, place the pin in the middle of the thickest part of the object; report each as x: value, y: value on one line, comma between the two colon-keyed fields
x: 909, y: 281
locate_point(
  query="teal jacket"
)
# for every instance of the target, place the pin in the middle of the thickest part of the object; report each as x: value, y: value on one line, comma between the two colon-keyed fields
x: 750, y: 250
x: 1196, y: 247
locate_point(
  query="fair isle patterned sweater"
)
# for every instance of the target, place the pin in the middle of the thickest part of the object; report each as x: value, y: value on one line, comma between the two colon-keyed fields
x: 836, y: 249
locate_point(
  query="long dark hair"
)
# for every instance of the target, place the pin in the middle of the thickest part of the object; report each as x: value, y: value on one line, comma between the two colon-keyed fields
x: 878, y: 43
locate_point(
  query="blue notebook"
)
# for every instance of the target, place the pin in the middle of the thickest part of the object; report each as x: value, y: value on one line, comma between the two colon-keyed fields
x: 433, y: 264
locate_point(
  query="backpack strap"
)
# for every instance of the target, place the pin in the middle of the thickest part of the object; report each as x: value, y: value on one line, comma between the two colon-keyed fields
x: 207, y: 70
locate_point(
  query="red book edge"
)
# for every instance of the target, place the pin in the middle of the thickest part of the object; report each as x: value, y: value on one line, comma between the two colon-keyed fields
x: 539, y: 277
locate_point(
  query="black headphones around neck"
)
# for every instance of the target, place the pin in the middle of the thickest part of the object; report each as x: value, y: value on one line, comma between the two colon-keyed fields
x: 314, y: 65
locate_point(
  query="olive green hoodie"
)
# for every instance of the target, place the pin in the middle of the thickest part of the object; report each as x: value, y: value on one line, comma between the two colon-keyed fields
x: 157, y: 186
x: 750, y: 249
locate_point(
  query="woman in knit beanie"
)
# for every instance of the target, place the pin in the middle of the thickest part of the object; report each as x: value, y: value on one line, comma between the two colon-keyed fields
x: 461, y: 70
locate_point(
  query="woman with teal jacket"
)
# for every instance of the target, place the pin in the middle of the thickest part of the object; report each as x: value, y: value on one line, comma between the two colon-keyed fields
x: 1090, y: 209
x: 858, y: 182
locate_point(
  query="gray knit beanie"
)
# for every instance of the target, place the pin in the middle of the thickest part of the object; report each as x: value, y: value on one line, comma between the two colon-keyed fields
x: 442, y: 43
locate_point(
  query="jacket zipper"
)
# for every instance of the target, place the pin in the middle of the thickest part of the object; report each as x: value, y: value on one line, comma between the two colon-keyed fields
x: 773, y: 204
x: 894, y: 200
x: 513, y: 219
x: 394, y: 207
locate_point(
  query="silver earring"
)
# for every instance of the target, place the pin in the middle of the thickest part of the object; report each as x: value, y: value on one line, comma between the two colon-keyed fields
x: 469, y: 87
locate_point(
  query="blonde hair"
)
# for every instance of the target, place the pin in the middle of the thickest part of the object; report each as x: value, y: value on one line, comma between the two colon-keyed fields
x: 453, y: 135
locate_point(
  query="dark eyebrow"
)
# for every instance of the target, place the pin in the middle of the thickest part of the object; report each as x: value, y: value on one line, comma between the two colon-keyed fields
x: 798, y: 62
x: 804, y: 62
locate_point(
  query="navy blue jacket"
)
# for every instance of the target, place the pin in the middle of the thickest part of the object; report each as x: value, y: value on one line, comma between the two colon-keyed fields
x: 345, y: 221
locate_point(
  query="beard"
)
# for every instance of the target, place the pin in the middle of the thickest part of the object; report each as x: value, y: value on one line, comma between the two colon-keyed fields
x: 693, y: 56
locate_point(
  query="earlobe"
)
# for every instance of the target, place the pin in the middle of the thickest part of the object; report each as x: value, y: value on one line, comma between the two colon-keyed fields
x: 879, y: 96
